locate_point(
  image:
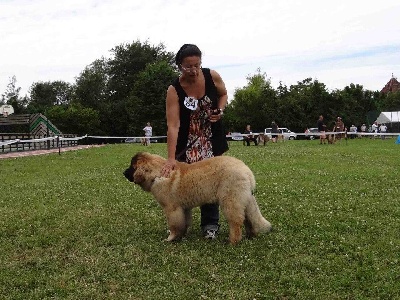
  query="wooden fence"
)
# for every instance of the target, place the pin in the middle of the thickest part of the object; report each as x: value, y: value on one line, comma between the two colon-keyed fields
x: 36, y: 145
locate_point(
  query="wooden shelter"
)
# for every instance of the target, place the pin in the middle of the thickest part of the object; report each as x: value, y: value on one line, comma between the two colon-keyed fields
x: 33, y: 124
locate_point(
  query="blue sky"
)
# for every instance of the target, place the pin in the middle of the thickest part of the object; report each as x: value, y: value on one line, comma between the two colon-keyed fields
x: 337, y: 42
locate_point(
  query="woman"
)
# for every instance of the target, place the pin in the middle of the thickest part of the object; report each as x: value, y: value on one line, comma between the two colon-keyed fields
x: 148, y: 132
x: 250, y: 136
x: 321, y: 129
x: 274, y: 131
x: 195, y: 104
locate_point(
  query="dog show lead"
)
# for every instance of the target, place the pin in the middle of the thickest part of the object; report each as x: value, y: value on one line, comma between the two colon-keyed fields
x: 194, y: 108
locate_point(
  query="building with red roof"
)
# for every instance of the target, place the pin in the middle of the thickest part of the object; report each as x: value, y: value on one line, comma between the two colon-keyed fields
x: 392, y: 86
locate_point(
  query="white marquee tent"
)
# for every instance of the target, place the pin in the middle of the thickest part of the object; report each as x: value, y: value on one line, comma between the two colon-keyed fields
x: 389, y: 117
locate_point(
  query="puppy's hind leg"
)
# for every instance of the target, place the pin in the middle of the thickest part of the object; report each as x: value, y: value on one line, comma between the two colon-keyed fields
x: 249, y: 228
x: 188, y: 220
x: 176, y: 223
x: 235, y: 216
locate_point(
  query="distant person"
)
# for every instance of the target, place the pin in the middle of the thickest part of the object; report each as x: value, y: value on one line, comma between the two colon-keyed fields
x: 321, y: 129
x: 353, y: 129
x: 274, y: 131
x: 148, y: 132
x: 383, y: 130
x: 363, y: 129
x: 374, y: 129
x: 339, y: 127
x: 249, y: 136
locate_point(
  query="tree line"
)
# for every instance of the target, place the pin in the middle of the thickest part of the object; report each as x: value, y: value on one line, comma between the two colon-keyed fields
x: 116, y: 96
x: 298, y: 106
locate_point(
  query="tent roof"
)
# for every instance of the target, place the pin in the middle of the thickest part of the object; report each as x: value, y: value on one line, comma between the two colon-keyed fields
x: 389, y: 117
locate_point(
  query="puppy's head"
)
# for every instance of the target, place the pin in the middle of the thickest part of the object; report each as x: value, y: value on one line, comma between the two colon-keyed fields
x: 129, y: 173
x: 142, y: 170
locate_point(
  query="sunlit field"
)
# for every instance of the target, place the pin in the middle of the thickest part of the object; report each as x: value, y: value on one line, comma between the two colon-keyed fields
x: 72, y: 227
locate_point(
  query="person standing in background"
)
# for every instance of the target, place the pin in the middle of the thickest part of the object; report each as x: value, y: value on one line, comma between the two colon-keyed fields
x: 353, y: 129
x: 363, y: 129
x: 148, y: 132
x: 274, y: 131
x: 321, y: 129
x: 383, y: 129
x: 249, y: 137
x: 374, y: 128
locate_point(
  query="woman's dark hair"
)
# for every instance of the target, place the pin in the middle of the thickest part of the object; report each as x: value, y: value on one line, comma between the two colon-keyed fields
x: 186, y: 51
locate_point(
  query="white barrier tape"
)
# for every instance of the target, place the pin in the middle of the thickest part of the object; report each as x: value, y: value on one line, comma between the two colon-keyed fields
x: 26, y: 141
x: 126, y: 137
x: 9, y: 142
x: 285, y: 134
x: 38, y: 140
x: 374, y: 133
x: 241, y: 135
x: 270, y: 133
x: 73, y: 139
x: 349, y: 133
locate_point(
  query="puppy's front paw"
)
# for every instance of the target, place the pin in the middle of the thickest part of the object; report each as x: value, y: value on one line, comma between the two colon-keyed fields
x: 173, y: 237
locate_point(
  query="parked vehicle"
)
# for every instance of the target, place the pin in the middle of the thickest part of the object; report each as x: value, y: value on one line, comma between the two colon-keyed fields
x: 287, y: 134
x: 236, y: 136
x: 312, y: 134
x: 139, y: 140
x: 133, y: 140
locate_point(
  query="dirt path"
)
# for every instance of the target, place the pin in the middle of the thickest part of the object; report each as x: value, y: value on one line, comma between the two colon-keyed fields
x: 41, y: 152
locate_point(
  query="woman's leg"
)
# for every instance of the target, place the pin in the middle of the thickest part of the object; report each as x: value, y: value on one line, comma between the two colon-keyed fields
x: 209, y: 220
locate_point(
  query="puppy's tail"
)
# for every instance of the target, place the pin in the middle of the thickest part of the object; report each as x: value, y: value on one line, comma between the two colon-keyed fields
x: 255, y: 221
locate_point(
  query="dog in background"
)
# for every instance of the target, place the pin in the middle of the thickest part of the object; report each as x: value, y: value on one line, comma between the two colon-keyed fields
x: 222, y: 179
x: 331, y: 139
x: 263, y: 138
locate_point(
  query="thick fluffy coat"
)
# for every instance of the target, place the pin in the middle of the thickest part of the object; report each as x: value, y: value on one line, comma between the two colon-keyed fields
x: 223, y: 179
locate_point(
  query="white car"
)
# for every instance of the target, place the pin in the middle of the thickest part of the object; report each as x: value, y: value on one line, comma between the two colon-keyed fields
x: 312, y: 134
x: 132, y: 140
x: 237, y: 136
x: 287, y: 134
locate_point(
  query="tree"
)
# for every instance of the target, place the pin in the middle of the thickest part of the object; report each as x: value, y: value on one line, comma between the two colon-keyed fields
x: 44, y: 95
x: 390, y: 102
x: 127, y: 84
x: 74, y: 119
x: 303, y: 103
x: 252, y: 104
x: 91, y: 85
x: 356, y: 105
x: 127, y: 62
x: 147, y: 100
x: 11, y: 96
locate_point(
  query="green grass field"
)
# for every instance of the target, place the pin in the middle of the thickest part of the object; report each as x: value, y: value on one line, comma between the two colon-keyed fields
x: 72, y: 227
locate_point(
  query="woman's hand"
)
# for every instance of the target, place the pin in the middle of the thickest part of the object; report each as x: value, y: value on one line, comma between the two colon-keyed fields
x: 216, y: 115
x: 168, y: 167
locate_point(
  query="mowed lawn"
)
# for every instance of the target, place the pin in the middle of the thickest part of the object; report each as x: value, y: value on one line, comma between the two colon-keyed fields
x: 72, y: 227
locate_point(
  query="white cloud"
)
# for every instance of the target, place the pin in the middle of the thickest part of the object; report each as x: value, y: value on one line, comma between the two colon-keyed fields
x: 45, y: 40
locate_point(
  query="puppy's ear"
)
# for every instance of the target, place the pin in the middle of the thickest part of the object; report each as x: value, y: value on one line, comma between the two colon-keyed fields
x: 129, y: 173
x: 138, y: 179
x: 135, y: 160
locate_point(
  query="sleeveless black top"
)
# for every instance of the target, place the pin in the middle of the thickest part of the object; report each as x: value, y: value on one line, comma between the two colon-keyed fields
x: 197, y: 137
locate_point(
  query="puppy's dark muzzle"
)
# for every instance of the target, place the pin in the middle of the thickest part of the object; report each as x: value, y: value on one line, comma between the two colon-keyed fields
x: 129, y: 174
